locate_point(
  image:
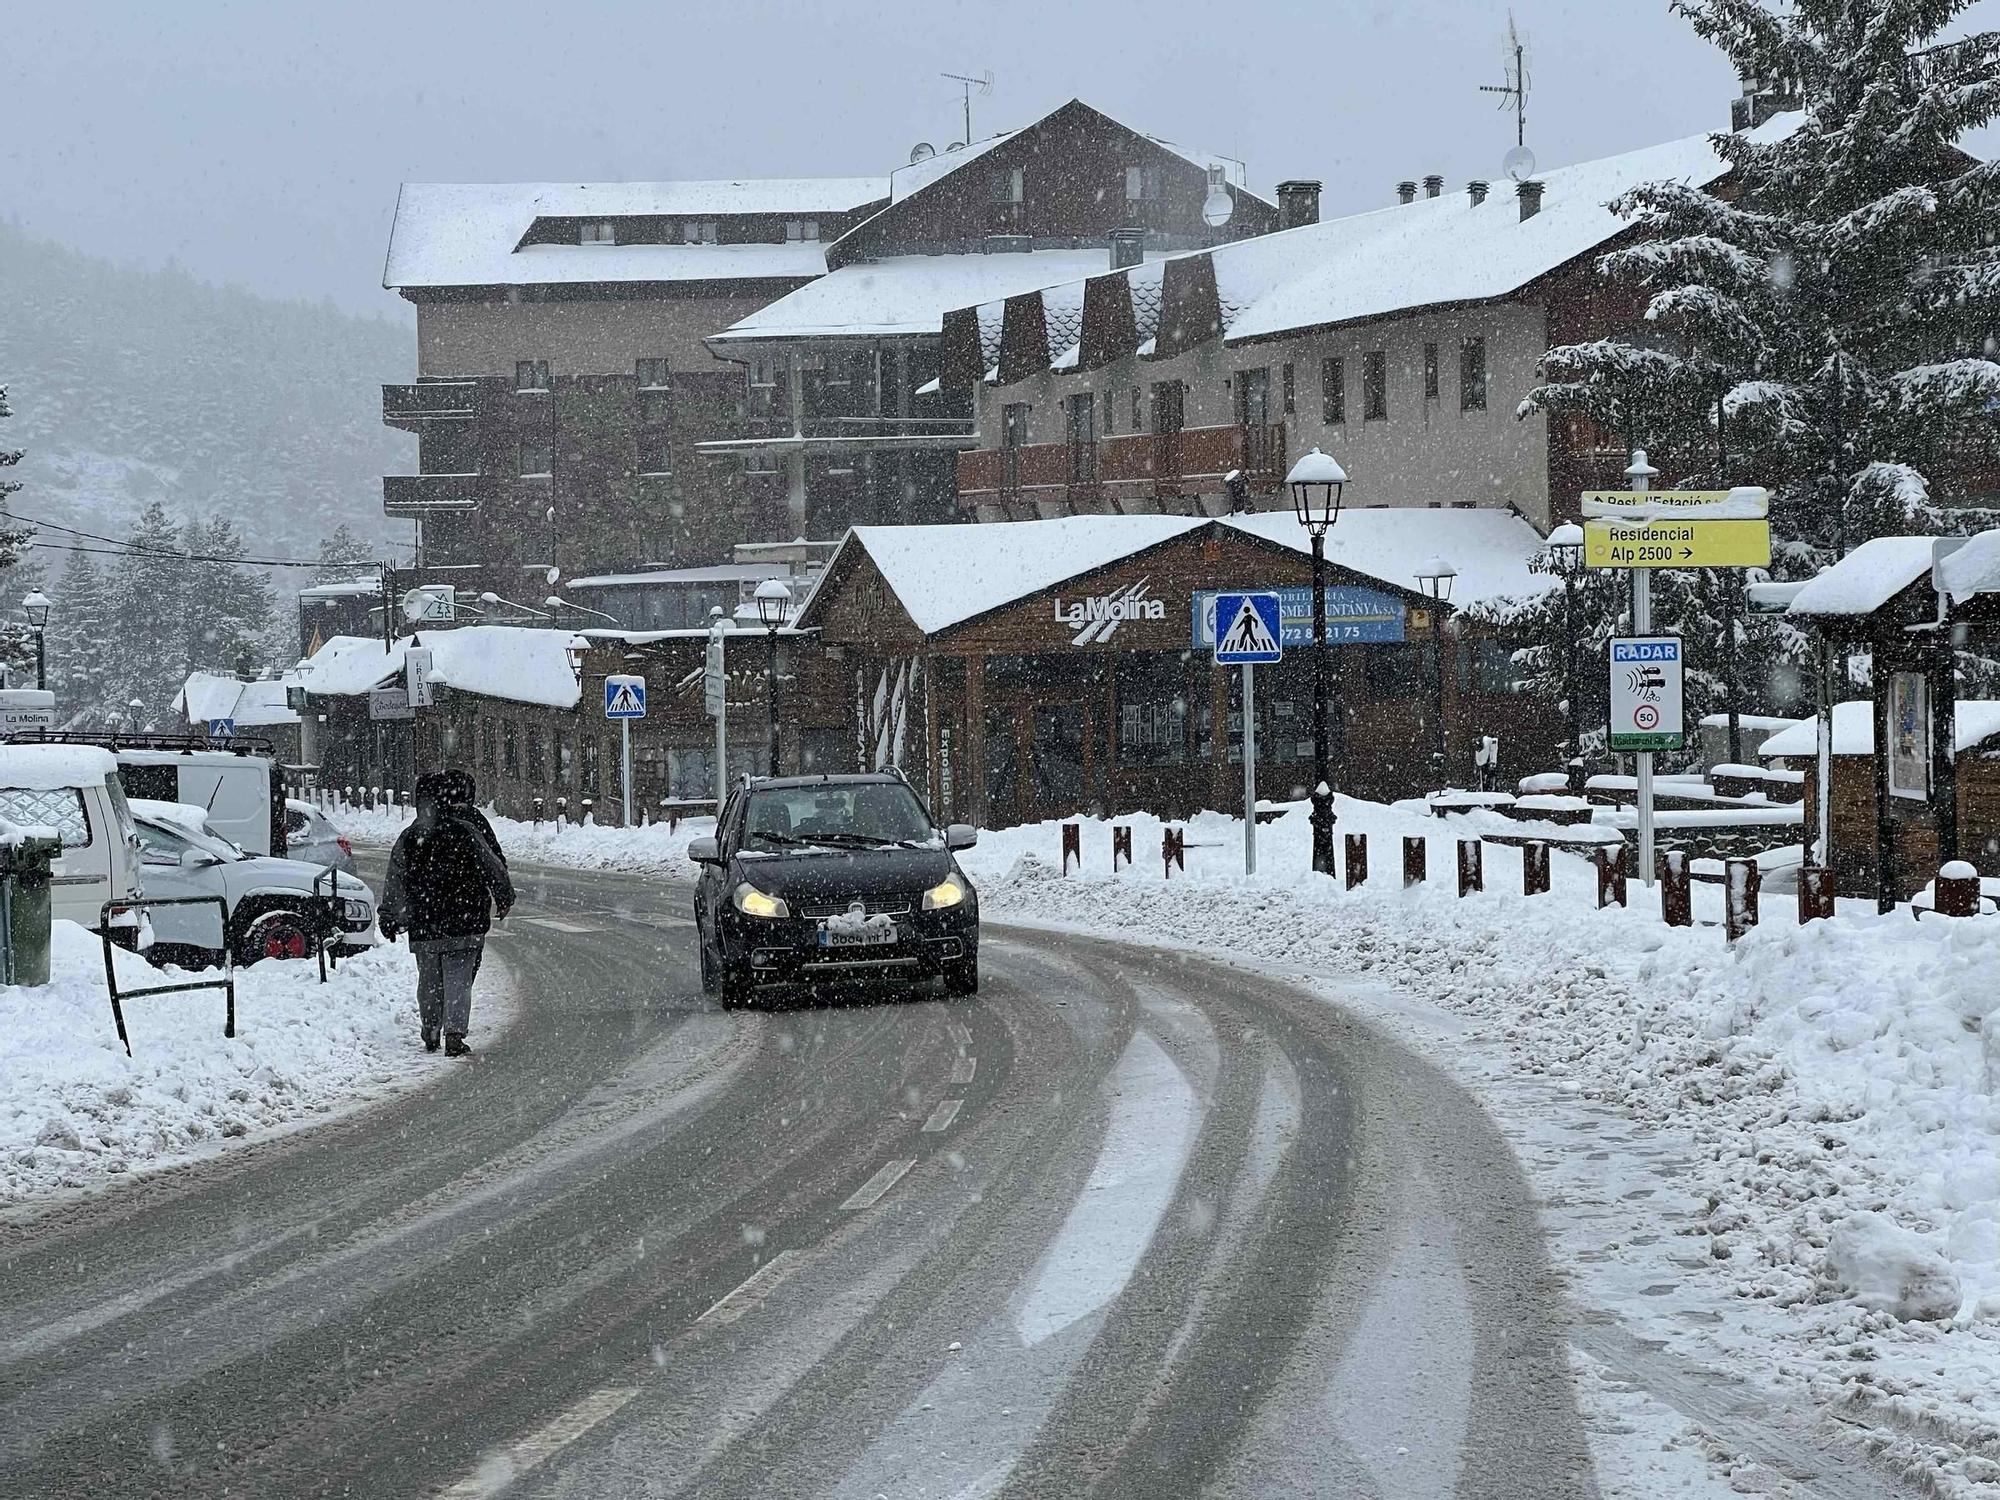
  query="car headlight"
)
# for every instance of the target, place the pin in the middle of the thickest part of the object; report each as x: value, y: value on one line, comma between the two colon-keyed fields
x: 357, y: 911
x: 754, y: 903
x: 947, y: 892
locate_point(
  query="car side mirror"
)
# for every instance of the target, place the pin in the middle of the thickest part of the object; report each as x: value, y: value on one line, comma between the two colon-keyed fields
x: 960, y: 836
x: 705, y: 851
x: 195, y: 859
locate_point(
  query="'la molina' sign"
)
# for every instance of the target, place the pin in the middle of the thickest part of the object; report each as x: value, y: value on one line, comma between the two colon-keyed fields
x: 1095, y: 617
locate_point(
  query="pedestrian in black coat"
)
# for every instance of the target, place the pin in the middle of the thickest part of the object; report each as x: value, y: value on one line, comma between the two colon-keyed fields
x: 447, y: 882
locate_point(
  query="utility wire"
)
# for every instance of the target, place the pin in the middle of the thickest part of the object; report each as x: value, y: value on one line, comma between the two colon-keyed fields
x: 134, y: 549
x: 182, y: 557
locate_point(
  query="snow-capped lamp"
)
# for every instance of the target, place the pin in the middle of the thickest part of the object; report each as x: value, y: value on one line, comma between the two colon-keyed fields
x: 1316, y: 482
x: 774, y: 602
x: 1435, y: 578
x: 1565, y: 549
x: 36, y: 607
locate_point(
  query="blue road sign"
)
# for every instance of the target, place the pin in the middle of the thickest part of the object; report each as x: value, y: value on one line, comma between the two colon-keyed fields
x: 624, y: 697
x: 221, y: 729
x: 1354, y: 616
x: 1247, y: 629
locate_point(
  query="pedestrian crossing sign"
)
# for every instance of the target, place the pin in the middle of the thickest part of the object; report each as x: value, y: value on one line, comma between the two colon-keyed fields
x: 1246, y: 628
x: 624, y: 697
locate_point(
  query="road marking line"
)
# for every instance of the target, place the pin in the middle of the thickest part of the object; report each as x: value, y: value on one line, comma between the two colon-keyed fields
x: 960, y: 1033
x: 502, y: 1467
x: 871, y: 1191
x: 943, y: 1115
x: 963, y: 1069
x: 751, y: 1291
x: 559, y: 925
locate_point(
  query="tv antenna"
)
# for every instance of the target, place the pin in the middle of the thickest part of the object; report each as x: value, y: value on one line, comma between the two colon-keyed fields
x: 1516, y: 86
x: 984, y: 83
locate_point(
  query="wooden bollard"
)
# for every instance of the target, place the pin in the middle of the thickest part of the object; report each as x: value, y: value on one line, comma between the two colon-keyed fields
x: 1173, y: 851
x: 1535, y: 868
x: 1413, y: 859
x: 1815, y: 893
x: 1741, y: 879
x: 1357, y: 859
x: 1471, y: 867
x: 1610, y: 862
x: 1957, y: 890
x: 1072, y: 845
x: 1121, y: 844
x: 541, y: 809
x: 1676, y: 888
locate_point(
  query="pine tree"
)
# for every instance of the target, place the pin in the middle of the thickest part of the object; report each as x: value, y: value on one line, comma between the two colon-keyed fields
x: 147, y: 595
x: 81, y: 636
x: 17, y: 647
x: 342, y: 556
x: 227, y: 605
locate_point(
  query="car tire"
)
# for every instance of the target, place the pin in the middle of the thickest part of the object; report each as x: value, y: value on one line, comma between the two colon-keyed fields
x: 710, y: 983
x: 733, y: 986
x: 961, y: 975
x: 275, y: 933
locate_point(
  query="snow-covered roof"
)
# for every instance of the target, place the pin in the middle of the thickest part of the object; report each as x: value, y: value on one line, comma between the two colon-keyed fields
x: 348, y: 665
x: 1866, y: 579
x: 51, y: 768
x: 469, y: 233
x: 205, y: 697
x: 946, y: 575
x: 909, y: 293
x: 505, y: 661
x: 1975, y: 721
x: 921, y: 174
x: 347, y: 588
x: 718, y: 573
x: 1973, y: 568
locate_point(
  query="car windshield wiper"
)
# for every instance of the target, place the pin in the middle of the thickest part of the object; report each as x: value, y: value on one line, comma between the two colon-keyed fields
x: 785, y: 839
x: 861, y: 840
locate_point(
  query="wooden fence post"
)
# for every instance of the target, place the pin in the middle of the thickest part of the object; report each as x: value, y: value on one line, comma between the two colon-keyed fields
x: 1173, y: 851
x: 1471, y: 867
x: 1676, y: 888
x: 1413, y: 859
x: 1072, y: 845
x: 1740, y: 881
x: 1957, y: 889
x: 1535, y: 868
x: 1357, y: 859
x: 1121, y: 844
x: 1610, y: 862
x: 1815, y: 893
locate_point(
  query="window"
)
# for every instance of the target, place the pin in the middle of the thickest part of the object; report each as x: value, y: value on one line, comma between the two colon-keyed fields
x: 593, y: 781
x: 655, y: 456
x: 690, y: 771
x: 61, y: 809
x: 655, y: 406
x: 537, y: 768
x: 1486, y: 666
x: 1110, y: 413
x: 1333, y: 388
x: 565, y: 762
x: 486, y: 746
x: 1397, y: 672
x: 802, y: 229
x: 1081, y: 412
x: 1291, y: 390
x: 1253, y: 397
x: 1152, y: 710
x: 698, y: 232
x: 510, y: 743
x: 652, y: 374
x: 1138, y: 412
x: 1014, y: 424
x: 1374, y: 386
x: 1430, y: 372
x: 534, y: 458
x: 531, y: 374
x: 1008, y: 185
x: 1142, y: 184
x: 598, y: 232
x: 1472, y: 375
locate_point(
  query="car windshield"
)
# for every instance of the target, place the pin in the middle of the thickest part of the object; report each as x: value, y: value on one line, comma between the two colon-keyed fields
x: 174, y: 837
x: 866, y: 814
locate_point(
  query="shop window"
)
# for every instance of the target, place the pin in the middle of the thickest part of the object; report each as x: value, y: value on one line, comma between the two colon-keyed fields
x: 1472, y: 375
x: 1333, y: 389
x: 1396, y: 672
x: 1152, y: 710
x: 1374, y: 386
x: 1486, y: 666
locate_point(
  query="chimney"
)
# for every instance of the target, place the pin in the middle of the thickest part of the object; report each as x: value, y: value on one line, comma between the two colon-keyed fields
x: 1530, y: 194
x: 1433, y: 185
x: 1128, y: 248
x: 1298, y: 203
x: 1406, y: 192
x: 1477, y: 189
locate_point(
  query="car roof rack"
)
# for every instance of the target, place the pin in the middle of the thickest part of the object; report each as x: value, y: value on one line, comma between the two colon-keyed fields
x: 113, y: 740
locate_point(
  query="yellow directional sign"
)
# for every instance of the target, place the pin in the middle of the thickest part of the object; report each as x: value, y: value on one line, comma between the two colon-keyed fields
x: 1676, y: 544
x: 1746, y: 502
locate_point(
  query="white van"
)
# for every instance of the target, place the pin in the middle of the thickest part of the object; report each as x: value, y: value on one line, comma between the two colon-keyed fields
x: 236, y: 790
x: 74, y: 791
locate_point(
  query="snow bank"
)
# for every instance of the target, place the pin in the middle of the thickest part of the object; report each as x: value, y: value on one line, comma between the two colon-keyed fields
x: 575, y: 846
x: 1886, y: 1267
x: 76, y: 1112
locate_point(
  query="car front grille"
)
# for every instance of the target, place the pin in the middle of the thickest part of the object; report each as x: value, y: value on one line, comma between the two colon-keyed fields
x: 883, y: 906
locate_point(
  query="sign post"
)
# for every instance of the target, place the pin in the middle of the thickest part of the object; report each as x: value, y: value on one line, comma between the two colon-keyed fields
x: 715, y: 697
x: 625, y: 700
x: 1248, y: 629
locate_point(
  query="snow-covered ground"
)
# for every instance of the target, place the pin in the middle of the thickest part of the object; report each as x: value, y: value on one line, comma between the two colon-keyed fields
x: 76, y: 1112
x: 1771, y: 1162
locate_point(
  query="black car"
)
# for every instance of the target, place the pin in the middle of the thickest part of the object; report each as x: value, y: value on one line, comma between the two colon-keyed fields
x: 813, y: 878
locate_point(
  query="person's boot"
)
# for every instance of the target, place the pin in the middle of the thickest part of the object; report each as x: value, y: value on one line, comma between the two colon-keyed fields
x: 454, y: 1045
x: 431, y: 1035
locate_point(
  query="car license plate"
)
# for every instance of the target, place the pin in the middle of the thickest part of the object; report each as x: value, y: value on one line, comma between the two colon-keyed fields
x: 870, y: 937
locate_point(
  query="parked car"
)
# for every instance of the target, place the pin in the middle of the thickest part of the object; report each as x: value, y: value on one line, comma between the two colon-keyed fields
x: 814, y: 878
x: 235, y: 784
x: 311, y: 837
x: 73, y: 790
x: 273, y: 910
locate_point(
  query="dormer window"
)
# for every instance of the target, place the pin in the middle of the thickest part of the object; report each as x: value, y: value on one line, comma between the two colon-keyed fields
x: 802, y: 229
x: 598, y: 232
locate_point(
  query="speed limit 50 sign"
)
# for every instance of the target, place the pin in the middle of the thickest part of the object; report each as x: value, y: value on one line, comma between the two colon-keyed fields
x: 1647, y: 679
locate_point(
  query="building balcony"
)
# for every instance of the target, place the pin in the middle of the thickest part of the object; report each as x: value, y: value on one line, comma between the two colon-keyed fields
x: 412, y: 407
x: 1138, y: 472
x: 848, y: 434
x: 414, y: 496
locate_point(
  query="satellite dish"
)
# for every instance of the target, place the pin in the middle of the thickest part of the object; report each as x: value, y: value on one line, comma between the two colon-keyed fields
x: 955, y: 146
x: 1217, y: 207
x: 922, y: 151
x: 1519, y: 163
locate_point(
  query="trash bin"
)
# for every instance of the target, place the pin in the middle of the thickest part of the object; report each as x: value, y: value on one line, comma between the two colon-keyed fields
x: 24, y: 909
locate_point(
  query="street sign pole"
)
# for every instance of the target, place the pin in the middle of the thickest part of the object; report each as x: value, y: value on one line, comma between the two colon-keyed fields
x: 716, y: 692
x: 1249, y: 769
x: 625, y: 768
x: 1642, y: 473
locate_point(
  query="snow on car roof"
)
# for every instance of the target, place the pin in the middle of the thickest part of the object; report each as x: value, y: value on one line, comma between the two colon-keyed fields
x: 175, y: 814
x: 1866, y: 579
x: 908, y: 293
x: 1976, y: 721
x: 50, y: 768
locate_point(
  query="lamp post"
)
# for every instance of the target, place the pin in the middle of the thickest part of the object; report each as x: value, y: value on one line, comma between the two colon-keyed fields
x: 36, y: 607
x: 1436, y: 577
x: 557, y: 602
x: 1565, y: 551
x: 489, y: 597
x: 1316, y: 483
x: 774, y: 603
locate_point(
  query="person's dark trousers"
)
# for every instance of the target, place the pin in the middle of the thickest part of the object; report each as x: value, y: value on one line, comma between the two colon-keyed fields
x: 446, y: 968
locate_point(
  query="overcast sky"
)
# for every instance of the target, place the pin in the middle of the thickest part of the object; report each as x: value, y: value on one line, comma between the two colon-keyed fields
x: 261, y: 141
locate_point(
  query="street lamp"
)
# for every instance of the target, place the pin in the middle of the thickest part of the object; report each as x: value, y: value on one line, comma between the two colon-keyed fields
x: 489, y: 597
x: 1435, y: 578
x: 36, y: 607
x: 774, y: 603
x: 1565, y: 551
x: 557, y: 602
x: 1316, y: 483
